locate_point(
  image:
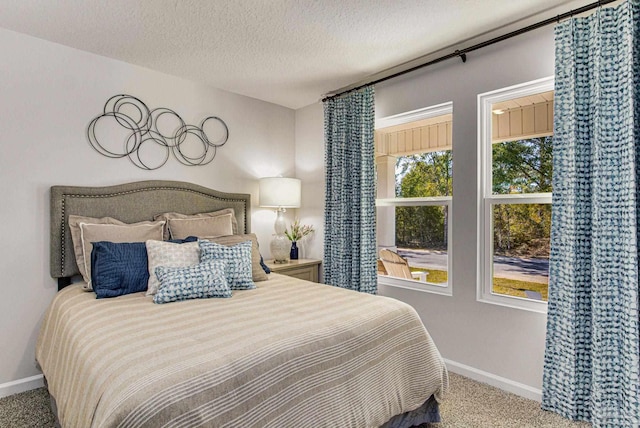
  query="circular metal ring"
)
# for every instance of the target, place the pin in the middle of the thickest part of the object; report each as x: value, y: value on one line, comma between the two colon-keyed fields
x: 137, y: 159
x: 155, y: 116
x: 207, y: 153
x: 226, y: 131
x: 117, y: 102
x: 93, y: 139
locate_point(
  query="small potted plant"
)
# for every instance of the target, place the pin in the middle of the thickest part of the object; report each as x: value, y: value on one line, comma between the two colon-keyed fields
x: 296, y: 233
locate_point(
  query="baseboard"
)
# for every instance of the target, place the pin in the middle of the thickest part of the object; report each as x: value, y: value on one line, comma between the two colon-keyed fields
x: 503, y: 383
x: 21, y: 385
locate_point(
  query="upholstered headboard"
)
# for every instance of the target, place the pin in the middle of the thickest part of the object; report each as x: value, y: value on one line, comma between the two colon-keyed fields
x: 130, y: 203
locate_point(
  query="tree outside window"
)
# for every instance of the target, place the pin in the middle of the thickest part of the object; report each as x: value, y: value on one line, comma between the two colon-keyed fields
x: 515, y: 172
x: 415, y: 182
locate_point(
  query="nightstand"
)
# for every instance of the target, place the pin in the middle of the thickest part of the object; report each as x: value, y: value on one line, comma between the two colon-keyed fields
x: 308, y: 269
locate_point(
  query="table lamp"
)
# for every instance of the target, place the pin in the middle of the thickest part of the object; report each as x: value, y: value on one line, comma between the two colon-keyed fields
x: 280, y: 193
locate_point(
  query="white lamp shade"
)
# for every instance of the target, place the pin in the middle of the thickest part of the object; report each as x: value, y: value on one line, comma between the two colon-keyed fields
x: 280, y: 192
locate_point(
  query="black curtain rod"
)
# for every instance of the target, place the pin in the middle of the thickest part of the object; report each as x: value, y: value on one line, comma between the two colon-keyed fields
x: 463, y: 52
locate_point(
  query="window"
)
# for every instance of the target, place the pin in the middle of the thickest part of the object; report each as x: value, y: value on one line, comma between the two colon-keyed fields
x: 414, y: 186
x: 514, y: 215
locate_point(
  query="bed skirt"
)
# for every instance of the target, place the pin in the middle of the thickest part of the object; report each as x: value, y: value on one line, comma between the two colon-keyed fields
x: 429, y: 412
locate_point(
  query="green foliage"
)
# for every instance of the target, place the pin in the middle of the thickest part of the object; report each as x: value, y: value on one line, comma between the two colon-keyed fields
x: 423, y: 175
x: 298, y: 231
x: 523, y: 166
x: 522, y: 229
x: 421, y: 227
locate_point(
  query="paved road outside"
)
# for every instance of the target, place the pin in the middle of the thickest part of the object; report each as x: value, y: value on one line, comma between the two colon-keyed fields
x: 532, y: 270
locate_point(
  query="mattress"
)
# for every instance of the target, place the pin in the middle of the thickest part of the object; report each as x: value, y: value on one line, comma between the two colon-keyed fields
x: 288, y: 354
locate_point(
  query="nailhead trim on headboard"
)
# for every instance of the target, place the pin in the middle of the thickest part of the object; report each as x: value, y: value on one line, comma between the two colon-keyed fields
x: 243, y: 200
x: 62, y: 237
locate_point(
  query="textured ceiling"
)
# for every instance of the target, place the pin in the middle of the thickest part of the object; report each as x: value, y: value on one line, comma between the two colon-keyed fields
x: 286, y: 52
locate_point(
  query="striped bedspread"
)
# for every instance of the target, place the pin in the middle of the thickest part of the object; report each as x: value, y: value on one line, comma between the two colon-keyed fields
x: 287, y: 354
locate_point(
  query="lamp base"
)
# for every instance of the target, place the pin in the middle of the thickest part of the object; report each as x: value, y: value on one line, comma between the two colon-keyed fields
x: 280, y: 247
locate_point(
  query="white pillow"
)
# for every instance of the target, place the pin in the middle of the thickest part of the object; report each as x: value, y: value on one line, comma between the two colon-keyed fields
x: 169, y: 254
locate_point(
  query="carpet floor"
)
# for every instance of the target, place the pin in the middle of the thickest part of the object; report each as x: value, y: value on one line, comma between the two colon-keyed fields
x: 472, y: 404
x: 469, y: 404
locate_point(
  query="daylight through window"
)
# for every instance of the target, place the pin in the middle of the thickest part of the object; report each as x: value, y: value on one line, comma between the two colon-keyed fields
x: 414, y: 185
x: 515, y: 208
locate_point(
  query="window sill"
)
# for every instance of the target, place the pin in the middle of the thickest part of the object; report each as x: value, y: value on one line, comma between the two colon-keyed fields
x: 521, y: 303
x: 414, y: 285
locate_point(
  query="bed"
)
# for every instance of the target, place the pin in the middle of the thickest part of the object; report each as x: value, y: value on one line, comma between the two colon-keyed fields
x: 288, y: 353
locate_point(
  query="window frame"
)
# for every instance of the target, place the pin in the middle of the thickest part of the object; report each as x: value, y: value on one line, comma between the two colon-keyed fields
x: 399, y: 119
x: 486, y: 198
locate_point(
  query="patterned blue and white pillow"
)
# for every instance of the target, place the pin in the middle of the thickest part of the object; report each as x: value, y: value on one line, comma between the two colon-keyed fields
x: 238, y: 258
x: 207, y: 279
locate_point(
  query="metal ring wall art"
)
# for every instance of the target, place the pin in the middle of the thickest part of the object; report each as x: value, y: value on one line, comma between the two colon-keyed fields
x: 143, y: 131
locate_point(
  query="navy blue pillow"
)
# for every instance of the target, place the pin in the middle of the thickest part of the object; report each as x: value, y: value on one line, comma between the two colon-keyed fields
x: 265, y: 268
x: 118, y: 268
x: 182, y: 241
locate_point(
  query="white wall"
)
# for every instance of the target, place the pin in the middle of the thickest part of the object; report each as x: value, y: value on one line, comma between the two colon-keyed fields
x: 495, y: 340
x: 48, y: 95
x: 310, y: 169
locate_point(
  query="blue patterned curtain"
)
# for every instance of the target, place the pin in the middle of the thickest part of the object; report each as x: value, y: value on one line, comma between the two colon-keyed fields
x: 349, y: 222
x: 592, y: 346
